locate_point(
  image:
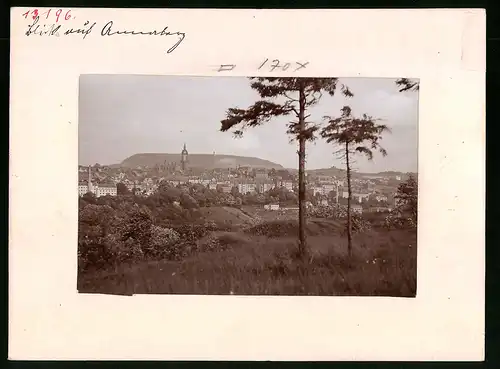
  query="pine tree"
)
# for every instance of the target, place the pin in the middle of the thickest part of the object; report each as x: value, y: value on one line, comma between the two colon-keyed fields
x: 407, y: 198
x: 285, y: 97
x: 406, y: 84
x: 354, y: 135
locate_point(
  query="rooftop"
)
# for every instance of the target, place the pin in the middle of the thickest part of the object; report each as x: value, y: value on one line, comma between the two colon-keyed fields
x: 107, y: 185
x: 177, y: 178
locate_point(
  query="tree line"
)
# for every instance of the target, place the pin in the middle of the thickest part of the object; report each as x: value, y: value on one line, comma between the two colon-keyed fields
x: 128, y: 228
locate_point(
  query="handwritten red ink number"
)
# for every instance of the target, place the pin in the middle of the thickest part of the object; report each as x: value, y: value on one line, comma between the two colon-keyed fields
x: 58, y: 13
x: 47, y: 13
x: 35, y: 14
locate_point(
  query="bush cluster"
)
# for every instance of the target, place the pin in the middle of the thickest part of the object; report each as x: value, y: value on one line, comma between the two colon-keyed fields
x: 117, y: 230
x: 359, y: 224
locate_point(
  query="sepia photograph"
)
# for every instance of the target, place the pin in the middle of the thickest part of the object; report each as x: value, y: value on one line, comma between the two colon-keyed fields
x: 247, y: 185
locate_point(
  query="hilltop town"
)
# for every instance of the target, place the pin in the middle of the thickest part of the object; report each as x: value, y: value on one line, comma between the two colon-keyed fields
x: 247, y: 184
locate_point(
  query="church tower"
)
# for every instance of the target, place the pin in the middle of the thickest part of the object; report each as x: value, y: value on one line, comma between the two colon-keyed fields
x: 184, y: 158
x: 90, y: 188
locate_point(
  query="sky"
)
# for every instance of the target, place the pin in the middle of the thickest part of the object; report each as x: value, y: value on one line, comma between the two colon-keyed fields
x: 123, y: 115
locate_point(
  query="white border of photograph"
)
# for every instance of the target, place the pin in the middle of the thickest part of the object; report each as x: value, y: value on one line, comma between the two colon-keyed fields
x: 49, y: 319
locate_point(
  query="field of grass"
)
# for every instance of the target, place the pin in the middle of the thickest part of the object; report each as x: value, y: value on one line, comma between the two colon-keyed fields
x: 262, y: 263
x: 225, y: 214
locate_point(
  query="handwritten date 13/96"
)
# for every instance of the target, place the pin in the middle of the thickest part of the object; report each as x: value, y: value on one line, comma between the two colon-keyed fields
x: 58, y: 14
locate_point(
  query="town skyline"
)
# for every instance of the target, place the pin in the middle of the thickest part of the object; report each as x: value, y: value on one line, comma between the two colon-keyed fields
x: 121, y: 116
x: 341, y: 167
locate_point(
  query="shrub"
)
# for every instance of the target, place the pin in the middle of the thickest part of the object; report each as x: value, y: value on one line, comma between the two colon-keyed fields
x: 94, y: 255
x: 211, y: 243
x: 163, y: 243
x: 400, y: 221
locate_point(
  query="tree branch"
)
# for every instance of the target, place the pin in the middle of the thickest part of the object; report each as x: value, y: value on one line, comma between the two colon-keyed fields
x: 290, y: 98
x: 407, y: 84
x: 257, y: 114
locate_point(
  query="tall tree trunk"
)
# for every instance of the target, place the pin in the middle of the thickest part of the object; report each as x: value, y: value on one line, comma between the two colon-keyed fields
x: 302, y: 179
x: 349, y: 194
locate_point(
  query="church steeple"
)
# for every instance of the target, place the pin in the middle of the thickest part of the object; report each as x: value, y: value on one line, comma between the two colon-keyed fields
x: 89, y: 185
x: 184, y: 158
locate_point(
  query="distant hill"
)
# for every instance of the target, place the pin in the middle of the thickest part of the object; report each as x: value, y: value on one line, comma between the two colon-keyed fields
x: 206, y: 161
x: 321, y: 172
x: 333, y: 171
x: 328, y: 172
x: 390, y: 173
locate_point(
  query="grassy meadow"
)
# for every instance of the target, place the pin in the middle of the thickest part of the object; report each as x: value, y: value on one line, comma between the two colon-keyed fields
x: 260, y: 260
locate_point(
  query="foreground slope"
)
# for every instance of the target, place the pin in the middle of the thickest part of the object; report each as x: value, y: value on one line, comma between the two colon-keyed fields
x: 253, y: 262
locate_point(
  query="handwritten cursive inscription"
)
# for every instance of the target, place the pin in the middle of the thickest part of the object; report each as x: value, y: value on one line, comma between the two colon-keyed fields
x: 107, y: 30
x: 42, y: 30
x: 85, y: 31
x: 57, y: 30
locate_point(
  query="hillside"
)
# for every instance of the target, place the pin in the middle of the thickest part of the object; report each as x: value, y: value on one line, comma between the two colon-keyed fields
x: 225, y: 214
x: 333, y: 171
x: 328, y: 172
x: 206, y: 161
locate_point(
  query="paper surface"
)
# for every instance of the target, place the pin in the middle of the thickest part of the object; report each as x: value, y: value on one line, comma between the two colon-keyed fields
x: 48, y: 319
